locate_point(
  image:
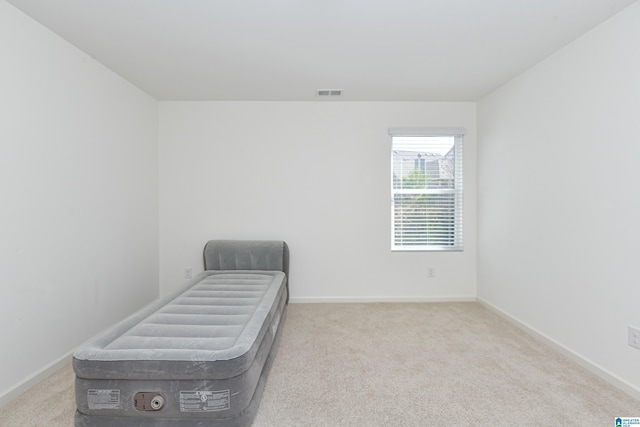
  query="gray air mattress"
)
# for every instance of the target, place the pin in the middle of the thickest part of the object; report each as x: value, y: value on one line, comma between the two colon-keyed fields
x: 199, y: 357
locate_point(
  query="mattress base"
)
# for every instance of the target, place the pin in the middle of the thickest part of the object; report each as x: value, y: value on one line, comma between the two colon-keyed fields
x: 242, y: 419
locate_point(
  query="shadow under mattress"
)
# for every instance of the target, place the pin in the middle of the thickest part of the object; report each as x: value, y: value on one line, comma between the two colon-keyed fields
x: 205, y: 350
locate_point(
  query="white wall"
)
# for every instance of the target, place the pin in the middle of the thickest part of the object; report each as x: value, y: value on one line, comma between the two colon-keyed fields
x: 78, y: 199
x: 316, y: 174
x: 559, y: 196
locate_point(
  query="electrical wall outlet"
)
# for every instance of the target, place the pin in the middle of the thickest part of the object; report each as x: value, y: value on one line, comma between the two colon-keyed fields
x: 634, y: 337
x: 188, y: 272
x: 431, y: 272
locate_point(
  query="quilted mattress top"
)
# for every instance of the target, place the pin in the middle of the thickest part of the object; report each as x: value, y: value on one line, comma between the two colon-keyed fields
x: 219, y: 316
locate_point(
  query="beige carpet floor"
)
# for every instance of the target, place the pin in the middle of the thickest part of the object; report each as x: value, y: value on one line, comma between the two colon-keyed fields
x: 393, y: 364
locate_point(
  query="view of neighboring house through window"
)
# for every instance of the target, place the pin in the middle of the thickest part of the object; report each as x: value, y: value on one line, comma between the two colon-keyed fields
x: 426, y: 189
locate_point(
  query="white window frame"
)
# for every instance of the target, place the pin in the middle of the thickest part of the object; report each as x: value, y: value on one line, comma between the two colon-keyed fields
x: 455, y: 242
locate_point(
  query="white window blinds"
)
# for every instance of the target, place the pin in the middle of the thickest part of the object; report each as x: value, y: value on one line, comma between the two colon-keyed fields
x: 426, y: 187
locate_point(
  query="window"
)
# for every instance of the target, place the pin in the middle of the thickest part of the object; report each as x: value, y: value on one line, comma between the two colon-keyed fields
x: 426, y: 189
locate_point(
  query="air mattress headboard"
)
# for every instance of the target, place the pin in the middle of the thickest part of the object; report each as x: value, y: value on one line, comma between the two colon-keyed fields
x: 247, y: 255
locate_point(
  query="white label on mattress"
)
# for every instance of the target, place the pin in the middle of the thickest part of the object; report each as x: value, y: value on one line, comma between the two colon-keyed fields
x: 103, y: 399
x: 204, y: 401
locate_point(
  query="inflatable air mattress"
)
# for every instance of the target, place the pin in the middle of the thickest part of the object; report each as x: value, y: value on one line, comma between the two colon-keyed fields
x: 199, y: 357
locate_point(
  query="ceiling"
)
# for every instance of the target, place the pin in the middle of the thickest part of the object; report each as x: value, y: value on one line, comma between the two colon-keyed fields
x: 375, y: 50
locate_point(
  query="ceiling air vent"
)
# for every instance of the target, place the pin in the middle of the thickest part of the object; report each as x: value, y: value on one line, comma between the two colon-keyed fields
x: 329, y: 92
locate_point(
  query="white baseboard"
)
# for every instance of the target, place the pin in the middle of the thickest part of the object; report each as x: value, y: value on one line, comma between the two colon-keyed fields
x: 312, y: 300
x: 590, y: 366
x: 34, y: 379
